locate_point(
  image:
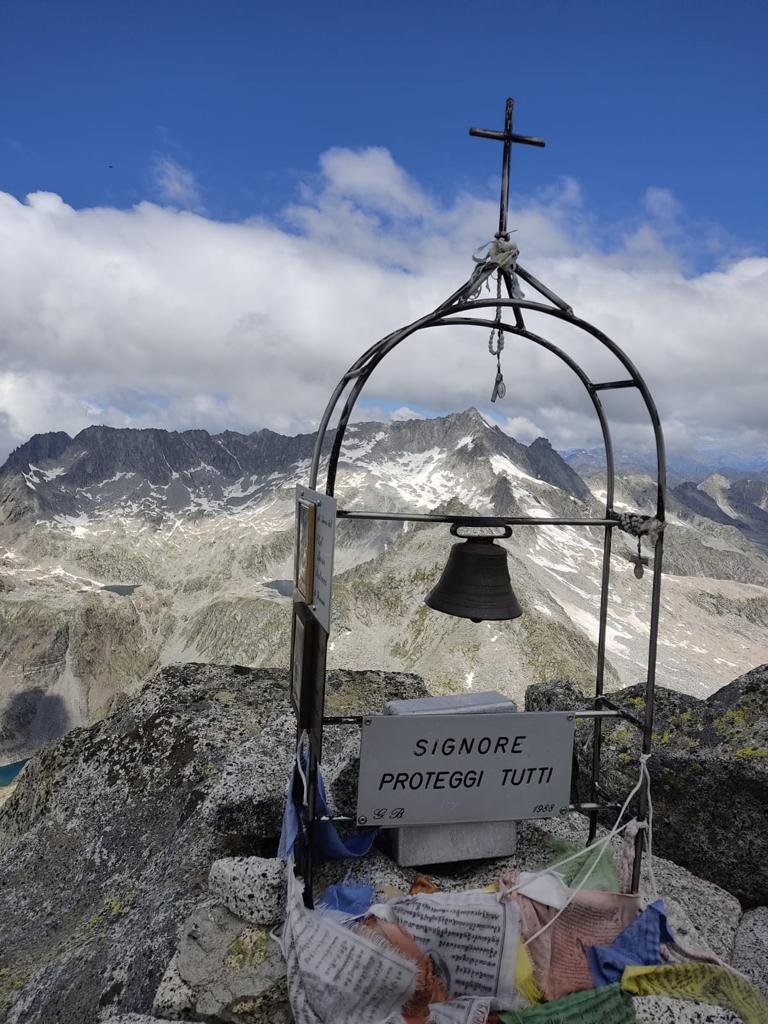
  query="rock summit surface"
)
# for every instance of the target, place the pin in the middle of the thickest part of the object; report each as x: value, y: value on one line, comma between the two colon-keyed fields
x: 137, y: 875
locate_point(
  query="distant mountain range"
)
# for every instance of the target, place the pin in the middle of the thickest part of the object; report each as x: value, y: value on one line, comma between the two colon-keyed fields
x: 724, y: 497
x: 123, y: 550
x: 159, y: 473
x: 740, y: 503
x: 695, y: 466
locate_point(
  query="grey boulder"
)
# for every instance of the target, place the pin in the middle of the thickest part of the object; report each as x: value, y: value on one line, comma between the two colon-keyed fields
x: 107, y: 842
x: 225, y: 970
x: 252, y: 887
x: 709, y: 767
x: 750, y: 954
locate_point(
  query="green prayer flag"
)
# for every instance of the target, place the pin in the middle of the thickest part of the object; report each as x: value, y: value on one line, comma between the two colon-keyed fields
x: 601, y: 875
x: 605, y: 1005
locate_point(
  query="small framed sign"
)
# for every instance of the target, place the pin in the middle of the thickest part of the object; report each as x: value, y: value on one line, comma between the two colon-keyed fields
x: 304, y: 562
x: 315, y: 543
x: 302, y: 648
x: 309, y: 642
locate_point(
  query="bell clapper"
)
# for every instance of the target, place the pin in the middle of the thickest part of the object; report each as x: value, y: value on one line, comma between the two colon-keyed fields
x: 639, y: 559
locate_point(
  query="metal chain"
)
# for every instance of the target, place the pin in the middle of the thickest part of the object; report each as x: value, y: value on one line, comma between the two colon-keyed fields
x: 496, y: 346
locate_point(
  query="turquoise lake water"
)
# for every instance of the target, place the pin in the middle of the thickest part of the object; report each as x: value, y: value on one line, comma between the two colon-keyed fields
x: 283, y: 587
x: 8, y: 772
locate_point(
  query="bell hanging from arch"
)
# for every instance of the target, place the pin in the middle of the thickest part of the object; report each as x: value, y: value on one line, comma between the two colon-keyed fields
x: 475, y: 582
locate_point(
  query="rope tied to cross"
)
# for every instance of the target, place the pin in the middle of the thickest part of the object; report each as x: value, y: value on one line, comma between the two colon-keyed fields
x: 500, y: 253
x: 639, y: 526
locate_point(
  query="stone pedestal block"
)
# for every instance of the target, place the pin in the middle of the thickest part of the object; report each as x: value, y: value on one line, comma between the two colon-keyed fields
x: 440, y: 844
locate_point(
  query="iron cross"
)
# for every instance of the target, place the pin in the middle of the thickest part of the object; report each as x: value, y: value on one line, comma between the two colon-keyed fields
x: 507, y: 137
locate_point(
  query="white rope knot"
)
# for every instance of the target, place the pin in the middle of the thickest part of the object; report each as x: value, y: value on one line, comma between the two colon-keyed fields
x: 639, y: 526
x: 500, y: 251
x: 505, y: 253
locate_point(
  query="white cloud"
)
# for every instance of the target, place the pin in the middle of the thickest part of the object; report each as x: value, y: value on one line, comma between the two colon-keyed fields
x: 661, y: 204
x: 176, y: 184
x: 521, y: 428
x: 367, y: 412
x: 372, y: 179
x: 404, y: 413
x: 163, y: 316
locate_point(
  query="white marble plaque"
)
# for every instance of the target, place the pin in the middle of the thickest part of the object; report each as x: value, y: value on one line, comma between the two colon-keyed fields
x: 437, y: 769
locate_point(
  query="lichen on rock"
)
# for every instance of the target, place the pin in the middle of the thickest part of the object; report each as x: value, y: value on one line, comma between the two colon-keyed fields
x: 710, y: 778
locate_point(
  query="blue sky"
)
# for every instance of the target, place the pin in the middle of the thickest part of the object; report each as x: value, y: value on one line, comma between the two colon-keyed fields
x: 229, y: 201
x: 247, y: 95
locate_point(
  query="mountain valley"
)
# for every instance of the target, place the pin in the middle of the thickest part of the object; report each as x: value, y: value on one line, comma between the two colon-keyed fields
x: 122, y: 551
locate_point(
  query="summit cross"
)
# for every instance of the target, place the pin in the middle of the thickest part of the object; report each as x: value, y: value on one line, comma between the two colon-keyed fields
x: 507, y: 137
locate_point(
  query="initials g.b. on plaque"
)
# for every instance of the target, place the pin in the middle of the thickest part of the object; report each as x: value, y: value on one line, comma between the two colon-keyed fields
x: 438, y: 769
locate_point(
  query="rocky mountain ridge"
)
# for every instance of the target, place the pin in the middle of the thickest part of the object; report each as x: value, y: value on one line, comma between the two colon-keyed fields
x: 103, y: 470
x: 739, y: 503
x: 122, y: 551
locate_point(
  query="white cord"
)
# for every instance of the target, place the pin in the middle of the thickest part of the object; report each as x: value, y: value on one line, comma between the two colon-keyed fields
x: 648, y: 824
x: 599, y: 846
x: 276, y: 936
x: 579, y: 854
x: 299, y: 747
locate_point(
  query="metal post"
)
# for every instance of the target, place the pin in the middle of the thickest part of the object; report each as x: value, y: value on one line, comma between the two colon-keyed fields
x: 505, y: 162
x: 478, y: 521
x: 597, y: 730
x: 310, y: 826
x: 650, y: 692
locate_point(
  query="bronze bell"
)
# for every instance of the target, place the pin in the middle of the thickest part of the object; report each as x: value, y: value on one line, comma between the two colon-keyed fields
x: 475, y: 582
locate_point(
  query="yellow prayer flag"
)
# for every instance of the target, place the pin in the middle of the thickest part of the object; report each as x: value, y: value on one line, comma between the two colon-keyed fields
x: 525, y: 980
x: 700, y: 983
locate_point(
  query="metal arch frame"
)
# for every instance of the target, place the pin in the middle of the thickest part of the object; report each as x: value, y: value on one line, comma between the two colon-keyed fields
x: 363, y: 368
x: 449, y: 314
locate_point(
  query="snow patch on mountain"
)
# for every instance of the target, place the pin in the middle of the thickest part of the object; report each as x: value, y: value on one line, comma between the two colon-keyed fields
x: 355, y: 448
x: 79, y: 525
x: 503, y: 465
x: 591, y: 626
x: 47, y: 474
